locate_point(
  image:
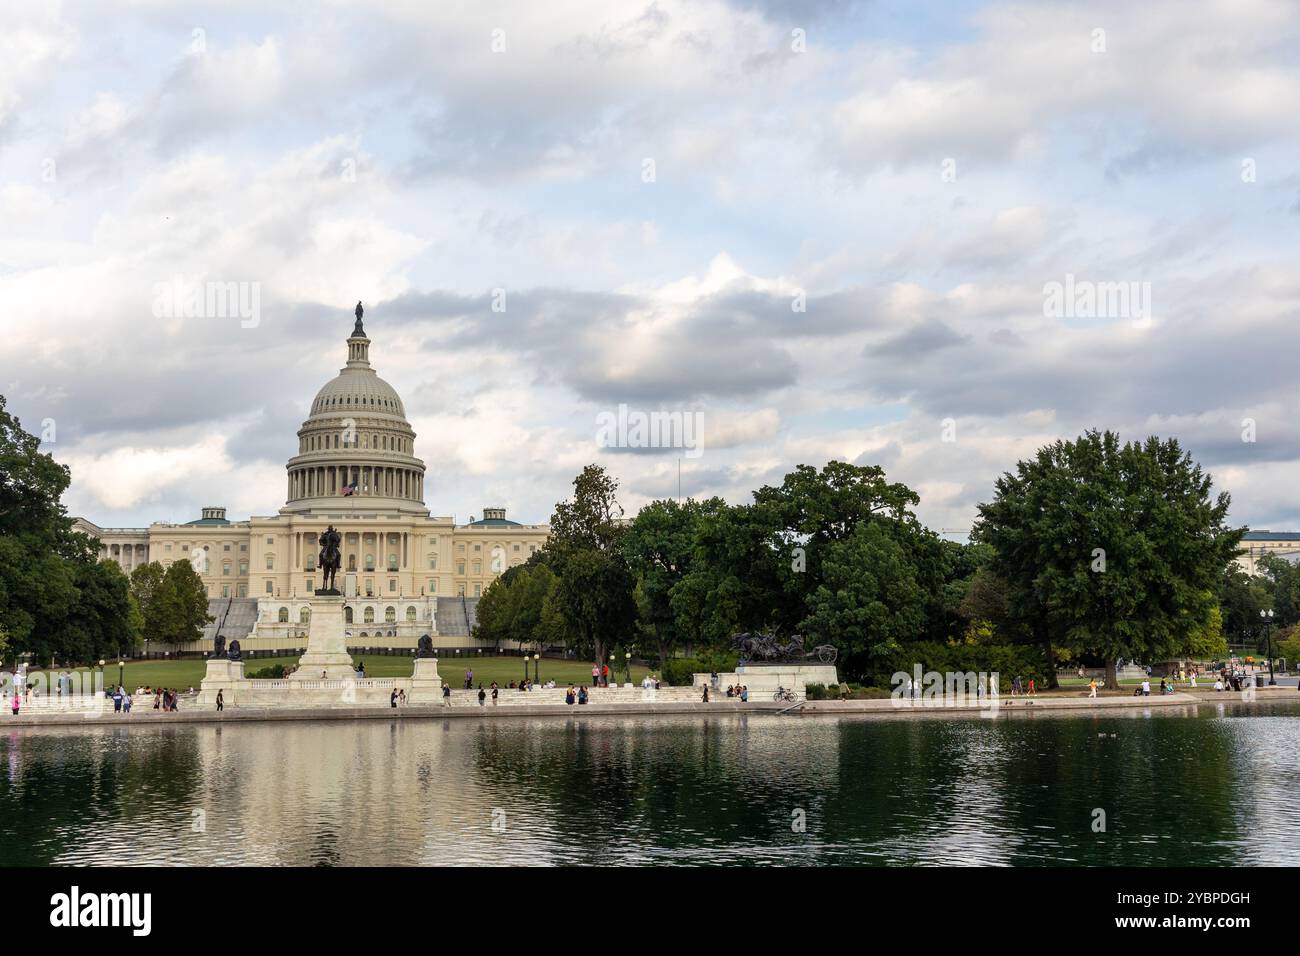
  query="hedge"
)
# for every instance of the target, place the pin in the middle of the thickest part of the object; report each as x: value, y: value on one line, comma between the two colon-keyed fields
x: 680, y: 671
x: 1006, y: 660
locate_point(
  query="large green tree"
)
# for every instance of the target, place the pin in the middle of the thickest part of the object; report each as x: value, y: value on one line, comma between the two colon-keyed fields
x: 813, y: 508
x: 182, y: 604
x: 871, y: 599
x: 592, y: 600
x: 146, y: 589
x: 511, y: 607
x: 660, y: 549
x: 1118, y: 547
x: 1242, y: 596
x: 45, y: 563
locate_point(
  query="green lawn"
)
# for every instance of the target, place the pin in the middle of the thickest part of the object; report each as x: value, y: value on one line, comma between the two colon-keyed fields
x: 189, y: 671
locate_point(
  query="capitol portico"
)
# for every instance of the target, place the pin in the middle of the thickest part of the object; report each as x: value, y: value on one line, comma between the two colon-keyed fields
x: 405, y: 572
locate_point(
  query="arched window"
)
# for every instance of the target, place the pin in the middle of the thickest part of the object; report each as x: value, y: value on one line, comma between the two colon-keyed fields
x: 369, y: 616
x: 390, y: 615
x: 225, y: 569
x: 410, y: 613
x: 304, y: 616
x: 370, y: 562
x: 347, y: 615
x: 284, y: 615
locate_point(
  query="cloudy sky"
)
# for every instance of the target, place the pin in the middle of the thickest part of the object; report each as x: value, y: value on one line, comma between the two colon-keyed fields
x: 829, y: 229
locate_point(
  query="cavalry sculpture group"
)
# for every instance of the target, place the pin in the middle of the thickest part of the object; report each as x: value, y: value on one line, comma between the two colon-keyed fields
x: 769, y: 649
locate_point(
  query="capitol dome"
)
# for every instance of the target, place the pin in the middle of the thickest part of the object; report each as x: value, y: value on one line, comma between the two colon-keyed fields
x: 357, y: 391
x: 356, y: 448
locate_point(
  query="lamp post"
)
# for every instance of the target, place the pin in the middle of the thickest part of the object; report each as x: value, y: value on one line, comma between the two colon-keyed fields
x: 101, y: 674
x: 1268, y: 636
x: 121, y: 665
x: 627, y: 667
x: 537, y: 665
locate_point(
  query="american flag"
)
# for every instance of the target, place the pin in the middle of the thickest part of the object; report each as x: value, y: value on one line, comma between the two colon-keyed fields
x: 349, y: 489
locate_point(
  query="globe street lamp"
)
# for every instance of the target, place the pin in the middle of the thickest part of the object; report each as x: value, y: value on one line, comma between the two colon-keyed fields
x: 101, y: 673
x: 537, y: 664
x: 121, y: 664
x: 1268, y: 636
x: 627, y: 667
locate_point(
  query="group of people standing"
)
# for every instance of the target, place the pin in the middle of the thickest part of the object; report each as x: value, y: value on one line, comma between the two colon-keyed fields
x: 165, y: 698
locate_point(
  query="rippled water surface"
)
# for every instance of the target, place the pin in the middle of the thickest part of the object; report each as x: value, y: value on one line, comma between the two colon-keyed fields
x: 1216, y: 785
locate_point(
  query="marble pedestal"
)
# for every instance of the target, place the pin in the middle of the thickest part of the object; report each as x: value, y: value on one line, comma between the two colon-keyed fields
x: 426, y: 684
x: 223, y: 675
x: 327, y: 654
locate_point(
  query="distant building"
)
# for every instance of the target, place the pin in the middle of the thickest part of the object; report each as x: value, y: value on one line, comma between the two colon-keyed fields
x: 405, y: 572
x: 1256, y: 544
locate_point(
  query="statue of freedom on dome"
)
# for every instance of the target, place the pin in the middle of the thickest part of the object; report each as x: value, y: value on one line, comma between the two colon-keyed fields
x: 330, y: 559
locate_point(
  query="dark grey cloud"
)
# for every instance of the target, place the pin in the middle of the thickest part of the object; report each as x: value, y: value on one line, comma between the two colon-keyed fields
x: 925, y: 337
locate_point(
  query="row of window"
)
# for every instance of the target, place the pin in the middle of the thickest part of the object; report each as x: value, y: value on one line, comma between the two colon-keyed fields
x: 375, y: 440
x: 368, y: 587
x: 224, y: 547
x: 347, y: 401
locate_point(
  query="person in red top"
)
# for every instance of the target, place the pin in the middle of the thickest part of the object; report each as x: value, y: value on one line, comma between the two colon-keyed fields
x: 604, y: 673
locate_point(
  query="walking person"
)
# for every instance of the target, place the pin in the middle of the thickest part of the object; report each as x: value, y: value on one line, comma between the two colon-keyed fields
x: 482, y: 695
x: 117, y: 700
x: 392, y: 699
x: 494, y: 693
x: 221, y: 700
x: 1092, y: 687
x: 446, y: 694
x: 1033, y: 691
x: 15, y: 702
x: 595, y: 675
x: 705, y: 698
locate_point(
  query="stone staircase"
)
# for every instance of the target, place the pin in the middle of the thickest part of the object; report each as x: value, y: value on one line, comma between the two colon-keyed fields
x: 456, y: 616
x: 240, y: 613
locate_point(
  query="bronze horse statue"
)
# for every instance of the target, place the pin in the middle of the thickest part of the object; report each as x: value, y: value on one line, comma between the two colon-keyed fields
x: 331, y: 558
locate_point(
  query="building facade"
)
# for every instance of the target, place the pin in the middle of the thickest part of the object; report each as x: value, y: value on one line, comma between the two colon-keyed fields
x: 404, y: 570
x: 1256, y: 544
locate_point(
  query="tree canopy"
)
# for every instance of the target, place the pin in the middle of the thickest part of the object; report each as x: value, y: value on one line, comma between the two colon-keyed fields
x: 1117, y: 548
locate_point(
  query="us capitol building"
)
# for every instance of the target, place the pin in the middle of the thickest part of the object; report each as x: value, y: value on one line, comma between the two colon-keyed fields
x: 405, y: 572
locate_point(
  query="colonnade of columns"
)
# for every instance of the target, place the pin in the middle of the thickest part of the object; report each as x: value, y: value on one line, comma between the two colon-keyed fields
x: 381, y: 545
x: 367, y: 481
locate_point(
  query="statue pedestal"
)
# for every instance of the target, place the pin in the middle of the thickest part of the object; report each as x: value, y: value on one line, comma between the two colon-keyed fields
x: 222, y: 675
x: 426, y: 684
x: 327, y: 652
